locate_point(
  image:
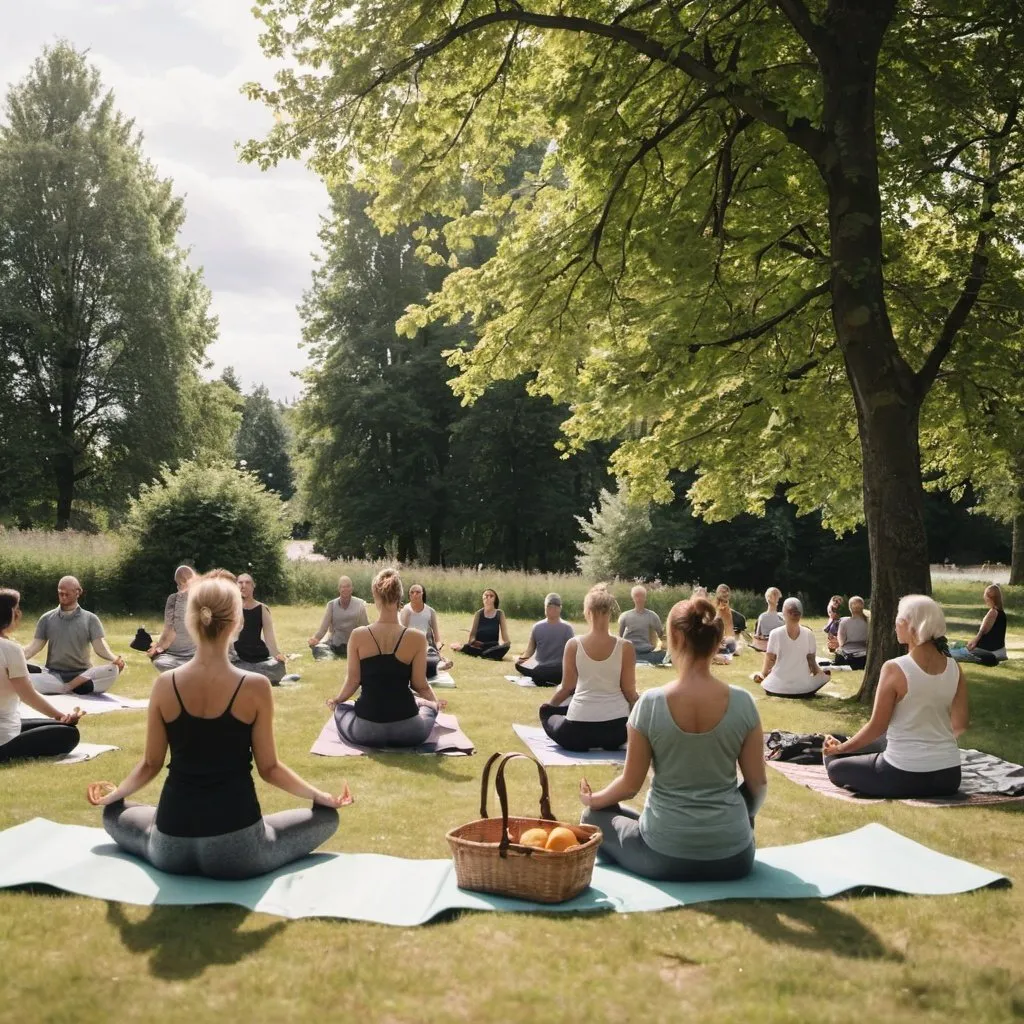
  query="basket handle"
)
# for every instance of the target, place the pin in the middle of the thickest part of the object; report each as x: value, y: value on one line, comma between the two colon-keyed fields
x: 499, y: 785
x: 545, y: 798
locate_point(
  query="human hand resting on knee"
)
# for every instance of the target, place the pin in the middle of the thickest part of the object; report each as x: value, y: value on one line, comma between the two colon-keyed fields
x: 831, y: 746
x: 99, y: 793
x: 586, y: 793
x: 343, y: 799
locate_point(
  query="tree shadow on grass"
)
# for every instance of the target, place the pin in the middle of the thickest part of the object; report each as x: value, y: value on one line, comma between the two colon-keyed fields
x: 804, y: 924
x: 185, y: 941
x: 424, y: 764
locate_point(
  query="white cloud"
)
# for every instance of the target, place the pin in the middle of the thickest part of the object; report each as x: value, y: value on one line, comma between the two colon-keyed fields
x: 176, y: 67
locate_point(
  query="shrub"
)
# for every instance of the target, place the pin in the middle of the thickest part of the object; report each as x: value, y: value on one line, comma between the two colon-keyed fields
x: 210, y: 517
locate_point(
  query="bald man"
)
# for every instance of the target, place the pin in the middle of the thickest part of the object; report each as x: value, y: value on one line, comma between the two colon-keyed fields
x: 642, y: 627
x: 66, y: 633
x: 175, y: 647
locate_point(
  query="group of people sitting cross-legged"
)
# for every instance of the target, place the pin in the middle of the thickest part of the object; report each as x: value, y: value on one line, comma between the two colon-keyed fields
x: 591, y: 706
x: 387, y: 664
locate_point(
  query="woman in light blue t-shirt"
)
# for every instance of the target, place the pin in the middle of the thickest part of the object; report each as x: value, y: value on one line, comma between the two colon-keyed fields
x: 697, y: 823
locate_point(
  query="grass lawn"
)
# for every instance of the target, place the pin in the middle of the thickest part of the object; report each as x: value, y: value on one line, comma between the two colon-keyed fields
x: 883, y: 958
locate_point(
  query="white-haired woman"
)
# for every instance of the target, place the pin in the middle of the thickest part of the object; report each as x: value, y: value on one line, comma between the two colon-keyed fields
x: 988, y: 645
x: 853, y: 636
x: 216, y: 721
x: 790, y: 664
x: 591, y: 706
x: 909, y: 746
x: 174, y: 647
x: 388, y: 665
x: 768, y: 620
x: 342, y: 615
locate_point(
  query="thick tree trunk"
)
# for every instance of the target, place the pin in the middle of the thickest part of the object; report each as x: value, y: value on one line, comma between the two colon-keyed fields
x: 886, y: 392
x: 64, y: 473
x: 1017, y: 558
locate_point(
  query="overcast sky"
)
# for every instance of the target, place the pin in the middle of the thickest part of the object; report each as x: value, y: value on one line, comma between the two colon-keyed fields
x: 176, y: 67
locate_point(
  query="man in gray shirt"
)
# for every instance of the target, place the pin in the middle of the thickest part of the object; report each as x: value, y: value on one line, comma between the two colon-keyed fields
x: 542, y: 659
x: 341, y: 616
x: 66, y: 633
x: 642, y: 628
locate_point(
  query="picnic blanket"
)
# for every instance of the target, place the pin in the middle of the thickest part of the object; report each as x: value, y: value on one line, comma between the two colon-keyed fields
x: 445, y: 738
x: 395, y: 891
x: 91, y: 703
x: 549, y: 753
x: 985, y: 780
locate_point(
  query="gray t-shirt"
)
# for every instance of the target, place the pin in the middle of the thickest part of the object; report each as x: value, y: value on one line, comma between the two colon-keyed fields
x: 694, y: 808
x: 549, y: 640
x: 341, y: 621
x: 636, y: 627
x: 767, y: 621
x: 853, y: 636
x: 68, y: 637
x: 174, y: 616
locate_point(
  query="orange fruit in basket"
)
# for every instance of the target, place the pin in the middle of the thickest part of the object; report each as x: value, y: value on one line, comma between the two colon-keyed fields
x: 534, y: 837
x: 561, y: 839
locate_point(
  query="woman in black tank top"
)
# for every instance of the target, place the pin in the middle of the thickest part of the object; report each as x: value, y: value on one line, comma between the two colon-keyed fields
x: 216, y: 722
x: 988, y: 646
x: 388, y: 665
x: 488, y: 636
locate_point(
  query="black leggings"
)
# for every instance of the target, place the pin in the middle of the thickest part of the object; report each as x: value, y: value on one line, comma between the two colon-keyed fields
x: 40, y: 737
x: 580, y: 736
x: 548, y: 673
x: 493, y: 651
x: 872, y: 775
x: 855, y: 661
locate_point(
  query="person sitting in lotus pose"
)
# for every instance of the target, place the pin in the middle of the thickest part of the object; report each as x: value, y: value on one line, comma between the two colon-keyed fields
x: 174, y: 647
x: 697, y: 824
x: 598, y: 688
x: 216, y: 720
x: 909, y: 747
x: 418, y: 614
x: 791, y: 662
x: 341, y: 616
x: 542, y: 659
x: 388, y: 664
x: 488, y: 636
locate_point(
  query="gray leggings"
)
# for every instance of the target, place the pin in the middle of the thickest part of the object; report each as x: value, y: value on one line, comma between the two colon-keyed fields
x: 623, y: 845
x: 271, y: 668
x: 867, y: 772
x: 266, y: 845
x: 168, y: 662
x: 406, y: 732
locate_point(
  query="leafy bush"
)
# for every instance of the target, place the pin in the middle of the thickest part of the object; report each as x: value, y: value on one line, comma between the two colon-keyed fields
x: 209, y: 517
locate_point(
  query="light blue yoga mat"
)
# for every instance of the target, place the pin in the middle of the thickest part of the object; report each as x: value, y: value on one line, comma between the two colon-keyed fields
x: 391, y: 890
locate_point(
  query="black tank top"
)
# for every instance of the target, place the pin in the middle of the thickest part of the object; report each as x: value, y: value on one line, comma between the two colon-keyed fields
x: 995, y: 638
x: 487, y: 631
x: 250, y: 646
x: 209, y: 788
x: 384, y: 693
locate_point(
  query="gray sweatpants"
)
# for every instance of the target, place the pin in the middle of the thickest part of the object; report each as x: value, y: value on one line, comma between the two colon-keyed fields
x: 273, y: 669
x: 624, y: 845
x: 266, y: 845
x: 168, y: 662
x: 407, y: 732
x: 52, y: 682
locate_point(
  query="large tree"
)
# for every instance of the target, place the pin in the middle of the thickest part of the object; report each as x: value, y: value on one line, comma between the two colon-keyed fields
x: 735, y: 200
x: 101, y: 319
x: 263, y: 444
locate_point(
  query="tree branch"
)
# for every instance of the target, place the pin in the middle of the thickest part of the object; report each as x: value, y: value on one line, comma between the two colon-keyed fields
x: 808, y: 30
x: 763, y: 328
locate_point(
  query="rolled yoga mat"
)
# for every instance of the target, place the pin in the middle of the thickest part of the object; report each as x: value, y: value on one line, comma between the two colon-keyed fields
x: 392, y: 890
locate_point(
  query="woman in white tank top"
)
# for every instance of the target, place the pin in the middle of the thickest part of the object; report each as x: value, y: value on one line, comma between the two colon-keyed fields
x: 591, y: 707
x: 909, y: 747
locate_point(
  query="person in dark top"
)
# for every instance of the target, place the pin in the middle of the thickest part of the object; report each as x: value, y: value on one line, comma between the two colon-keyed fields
x: 387, y: 663
x: 216, y: 720
x: 255, y: 647
x: 488, y: 636
x: 988, y: 645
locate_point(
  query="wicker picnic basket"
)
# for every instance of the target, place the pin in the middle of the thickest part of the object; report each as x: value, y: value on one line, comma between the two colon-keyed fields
x: 489, y: 858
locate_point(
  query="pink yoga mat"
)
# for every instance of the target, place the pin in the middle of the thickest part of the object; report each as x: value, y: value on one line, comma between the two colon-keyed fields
x: 814, y: 776
x: 446, y: 738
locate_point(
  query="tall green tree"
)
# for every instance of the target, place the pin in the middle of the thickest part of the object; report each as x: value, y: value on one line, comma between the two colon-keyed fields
x: 263, y: 444
x: 733, y: 196
x: 100, y: 315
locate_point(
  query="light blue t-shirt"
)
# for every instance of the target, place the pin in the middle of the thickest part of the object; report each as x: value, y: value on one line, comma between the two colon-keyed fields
x: 694, y: 808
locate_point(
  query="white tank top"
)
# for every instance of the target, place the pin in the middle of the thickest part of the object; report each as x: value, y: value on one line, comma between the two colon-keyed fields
x: 419, y: 620
x: 920, y: 736
x: 598, y: 695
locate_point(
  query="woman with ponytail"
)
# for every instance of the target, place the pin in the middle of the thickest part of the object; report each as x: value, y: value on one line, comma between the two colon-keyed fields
x: 908, y: 748
x: 216, y: 721
x: 697, y: 824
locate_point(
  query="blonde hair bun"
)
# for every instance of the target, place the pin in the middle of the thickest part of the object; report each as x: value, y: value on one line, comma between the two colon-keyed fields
x: 214, y: 605
x: 205, y: 615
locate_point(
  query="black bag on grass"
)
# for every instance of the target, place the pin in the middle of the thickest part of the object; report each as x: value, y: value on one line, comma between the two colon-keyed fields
x: 799, y: 748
